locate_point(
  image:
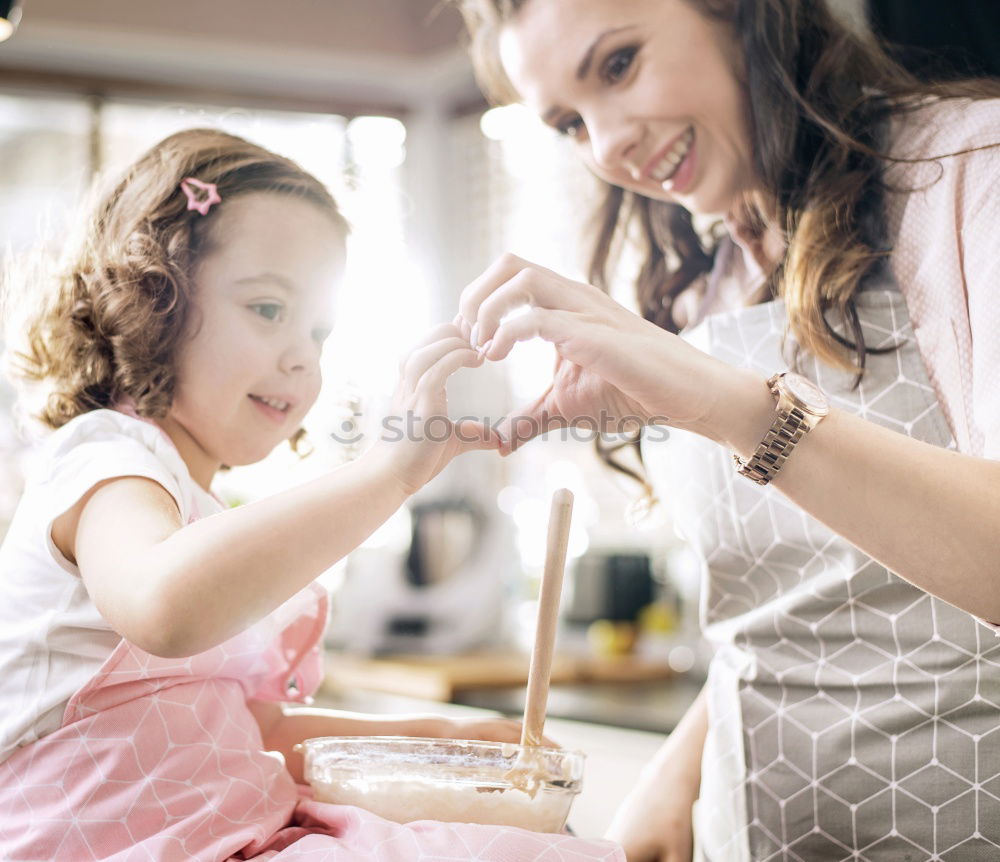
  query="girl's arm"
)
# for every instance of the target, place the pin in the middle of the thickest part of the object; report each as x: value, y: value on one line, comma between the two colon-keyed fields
x: 176, y: 589
x: 283, y: 727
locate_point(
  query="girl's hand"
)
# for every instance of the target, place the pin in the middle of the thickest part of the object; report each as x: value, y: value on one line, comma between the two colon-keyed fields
x: 419, y: 440
x: 487, y: 729
x: 615, y: 371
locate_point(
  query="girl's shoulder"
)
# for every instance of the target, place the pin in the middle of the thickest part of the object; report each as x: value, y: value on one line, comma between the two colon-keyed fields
x: 108, y: 442
x: 97, y: 426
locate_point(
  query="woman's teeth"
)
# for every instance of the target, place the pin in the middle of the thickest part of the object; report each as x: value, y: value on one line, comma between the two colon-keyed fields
x: 272, y: 402
x: 672, y: 160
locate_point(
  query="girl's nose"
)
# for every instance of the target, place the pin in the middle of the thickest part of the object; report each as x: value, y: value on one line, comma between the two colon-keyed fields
x: 300, y: 355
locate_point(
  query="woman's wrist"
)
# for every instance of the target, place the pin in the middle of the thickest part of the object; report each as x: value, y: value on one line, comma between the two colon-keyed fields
x: 742, y: 413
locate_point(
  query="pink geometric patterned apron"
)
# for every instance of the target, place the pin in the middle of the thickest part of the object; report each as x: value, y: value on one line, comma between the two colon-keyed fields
x: 160, y: 759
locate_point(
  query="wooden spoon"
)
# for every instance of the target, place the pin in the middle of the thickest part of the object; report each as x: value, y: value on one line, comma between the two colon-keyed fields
x: 527, y: 773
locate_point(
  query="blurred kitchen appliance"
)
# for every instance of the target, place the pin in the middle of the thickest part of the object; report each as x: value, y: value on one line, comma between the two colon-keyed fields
x: 442, y: 594
x: 609, y: 585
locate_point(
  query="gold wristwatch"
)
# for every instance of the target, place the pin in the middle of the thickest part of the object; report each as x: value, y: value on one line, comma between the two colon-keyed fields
x: 801, y: 406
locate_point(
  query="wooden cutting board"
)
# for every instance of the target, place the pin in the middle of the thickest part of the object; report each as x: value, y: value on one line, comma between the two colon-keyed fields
x: 439, y: 677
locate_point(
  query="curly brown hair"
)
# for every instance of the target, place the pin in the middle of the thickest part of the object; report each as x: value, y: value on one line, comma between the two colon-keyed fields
x: 111, y: 320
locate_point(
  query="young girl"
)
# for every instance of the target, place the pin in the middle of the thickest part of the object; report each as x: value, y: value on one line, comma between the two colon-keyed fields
x: 148, y: 637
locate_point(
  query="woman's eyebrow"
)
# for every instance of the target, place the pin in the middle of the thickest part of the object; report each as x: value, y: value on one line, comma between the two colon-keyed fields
x: 583, y: 69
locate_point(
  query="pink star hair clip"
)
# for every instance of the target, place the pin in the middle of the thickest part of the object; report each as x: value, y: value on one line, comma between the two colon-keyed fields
x: 200, y: 195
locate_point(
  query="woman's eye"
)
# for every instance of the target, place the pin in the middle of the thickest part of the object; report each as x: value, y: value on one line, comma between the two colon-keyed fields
x: 571, y: 126
x: 618, y: 63
x: 267, y: 310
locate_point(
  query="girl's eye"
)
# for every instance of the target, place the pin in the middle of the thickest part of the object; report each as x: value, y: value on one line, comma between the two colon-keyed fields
x: 618, y: 63
x: 571, y: 126
x: 267, y: 310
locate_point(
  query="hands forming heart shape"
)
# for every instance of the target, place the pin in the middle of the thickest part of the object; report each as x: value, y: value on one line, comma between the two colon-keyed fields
x: 614, y: 370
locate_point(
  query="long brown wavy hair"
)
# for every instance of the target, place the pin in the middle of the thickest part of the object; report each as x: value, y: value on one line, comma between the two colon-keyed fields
x: 105, y: 327
x: 818, y: 95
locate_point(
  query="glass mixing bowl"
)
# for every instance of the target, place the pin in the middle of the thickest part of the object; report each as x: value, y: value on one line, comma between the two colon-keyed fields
x: 406, y: 778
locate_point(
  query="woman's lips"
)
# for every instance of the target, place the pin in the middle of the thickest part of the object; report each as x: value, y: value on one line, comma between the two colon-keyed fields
x: 666, y: 163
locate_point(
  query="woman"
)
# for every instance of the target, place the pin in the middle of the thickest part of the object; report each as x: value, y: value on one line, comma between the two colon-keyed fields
x: 851, y: 551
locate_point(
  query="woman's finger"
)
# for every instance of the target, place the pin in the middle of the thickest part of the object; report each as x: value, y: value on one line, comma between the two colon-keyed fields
x: 552, y: 325
x: 534, y: 288
x: 527, y: 423
x: 496, y: 274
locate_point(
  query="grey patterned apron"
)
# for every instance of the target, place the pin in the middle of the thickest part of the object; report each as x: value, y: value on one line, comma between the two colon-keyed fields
x: 852, y: 716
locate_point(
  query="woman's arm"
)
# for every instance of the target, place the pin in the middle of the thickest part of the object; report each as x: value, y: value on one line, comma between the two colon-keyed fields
x: 930, y: 515
x: 653, y: 823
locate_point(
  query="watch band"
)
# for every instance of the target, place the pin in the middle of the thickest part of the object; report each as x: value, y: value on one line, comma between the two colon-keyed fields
x: 788, y: 428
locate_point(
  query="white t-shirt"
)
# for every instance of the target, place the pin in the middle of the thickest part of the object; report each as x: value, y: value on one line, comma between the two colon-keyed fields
x: 52, y: 638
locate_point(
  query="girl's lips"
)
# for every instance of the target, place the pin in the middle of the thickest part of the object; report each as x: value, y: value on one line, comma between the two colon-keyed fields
x: 272, y: 413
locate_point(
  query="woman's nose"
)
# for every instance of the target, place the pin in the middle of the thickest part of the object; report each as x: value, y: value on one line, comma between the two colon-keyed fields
x: 613, y: 144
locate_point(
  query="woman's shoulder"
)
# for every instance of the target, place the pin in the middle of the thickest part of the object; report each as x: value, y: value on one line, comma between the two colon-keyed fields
x: 939, y: 127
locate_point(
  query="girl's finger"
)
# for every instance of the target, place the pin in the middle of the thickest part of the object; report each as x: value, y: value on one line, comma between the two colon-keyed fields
x: 431, y: 383
x: 463, y: 327
x: 438, y: 333
x: 417, y: 363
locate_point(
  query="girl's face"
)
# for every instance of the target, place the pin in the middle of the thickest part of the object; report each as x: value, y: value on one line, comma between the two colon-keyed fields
x: 249, y: 372
x: 648, y: 90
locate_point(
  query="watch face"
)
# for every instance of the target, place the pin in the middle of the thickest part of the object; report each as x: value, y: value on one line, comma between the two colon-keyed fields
x: 806, y: 392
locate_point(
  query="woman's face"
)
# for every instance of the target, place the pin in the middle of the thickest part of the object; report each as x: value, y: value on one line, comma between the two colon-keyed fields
x: 648, y: 89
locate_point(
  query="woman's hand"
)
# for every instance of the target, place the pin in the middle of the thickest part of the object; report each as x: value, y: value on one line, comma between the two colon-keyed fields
x: 418, y: 440
x: 653, y: 823
x: 615, y: 370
